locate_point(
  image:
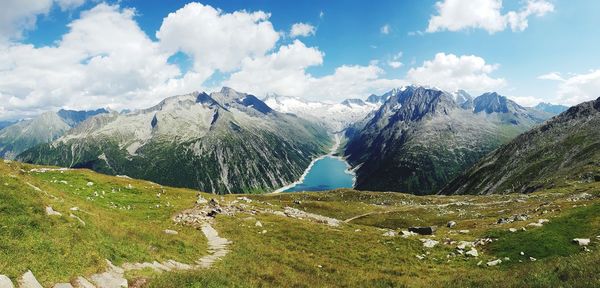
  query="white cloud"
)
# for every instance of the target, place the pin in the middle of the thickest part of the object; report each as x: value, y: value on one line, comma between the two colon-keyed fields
x: 69, y: 4
x: 215, y: 39
x: 451, y: 72
x: 579, y: 88
x: 395, y: 61
x: 395, y: 64
x: 302, y: 29
x: 104, y: 59
x: 284, y: 72
x: 385, y: 29
x: 456, y: 15
x: 321, y: 14
x: 554, y: 76
x: 17, y: 16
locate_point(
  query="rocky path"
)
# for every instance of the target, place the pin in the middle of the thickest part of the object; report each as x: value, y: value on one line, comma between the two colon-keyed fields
x: 114, y: 277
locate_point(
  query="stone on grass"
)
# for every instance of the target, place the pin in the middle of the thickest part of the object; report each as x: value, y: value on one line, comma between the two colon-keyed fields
x: 426, y: 230
x: 83, y: 283
x: 512, y: 229
x: 5, y: 282
x: 51, y: 212
x: 90, y: 184
x: 494, y: 262
x: 451, y: 224
x: 29, y: 281
x: 390, y: 233
x: 429, y: 243
x: 473, y: 252
x: 62, y: 285
x: 171, y: 232
x: 258, y: 224
x: 582, y: 241
x: 535, y: 224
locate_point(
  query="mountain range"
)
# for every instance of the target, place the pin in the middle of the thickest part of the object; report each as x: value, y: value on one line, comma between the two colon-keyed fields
x: 20, y: 136
x: 565, y: 149
x: 222, y: 143
x: 421, y: 138
x: 334, y: 116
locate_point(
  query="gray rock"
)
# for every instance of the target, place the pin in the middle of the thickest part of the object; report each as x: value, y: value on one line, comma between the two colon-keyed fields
x: 427, y: 230
x: 451, y: 224
x: 5, y: 282
x: 29, y: 281
x: 83, y: 283
x: 171, y: 232
x: 473, y: 252
x: 494, y: 262
x: 582, y: 241
x: 429, y: 243
x: 62, y: 285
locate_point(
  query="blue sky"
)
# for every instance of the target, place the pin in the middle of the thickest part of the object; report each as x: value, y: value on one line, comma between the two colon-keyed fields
x: 529, y: 50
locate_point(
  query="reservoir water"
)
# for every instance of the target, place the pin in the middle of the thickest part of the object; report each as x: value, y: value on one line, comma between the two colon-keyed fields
x: 326, y: 173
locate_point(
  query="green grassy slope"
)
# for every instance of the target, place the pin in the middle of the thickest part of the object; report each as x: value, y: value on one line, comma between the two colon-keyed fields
x: 290, y: 252
x: 122, y: 223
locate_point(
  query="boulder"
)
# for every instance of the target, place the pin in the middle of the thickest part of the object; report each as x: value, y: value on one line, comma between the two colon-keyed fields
x: 426, y: 230
x: 390, y: 233
x: 494, y: 262
x: 258, y: 224
x: 582, y: 241
x: 451, y: 224
x: 90, y: 184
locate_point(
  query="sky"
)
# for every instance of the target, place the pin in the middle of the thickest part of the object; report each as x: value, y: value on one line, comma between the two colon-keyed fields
x: 87, y: 54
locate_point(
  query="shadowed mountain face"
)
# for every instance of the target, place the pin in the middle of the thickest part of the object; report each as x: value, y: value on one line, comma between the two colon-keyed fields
x: 422, y: 138
x: 45, y: 128
x: 566, y: 147
x: 224, y: 142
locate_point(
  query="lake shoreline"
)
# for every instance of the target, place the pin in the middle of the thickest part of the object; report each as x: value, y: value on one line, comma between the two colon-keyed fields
x: 332, y: 151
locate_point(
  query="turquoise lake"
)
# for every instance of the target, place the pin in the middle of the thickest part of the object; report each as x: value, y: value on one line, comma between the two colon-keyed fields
x: 325, y: 174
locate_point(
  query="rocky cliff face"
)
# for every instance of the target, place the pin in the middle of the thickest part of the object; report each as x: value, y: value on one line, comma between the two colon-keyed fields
x: 224, y: 142
x: 566, y: 148
x: 421, y: 138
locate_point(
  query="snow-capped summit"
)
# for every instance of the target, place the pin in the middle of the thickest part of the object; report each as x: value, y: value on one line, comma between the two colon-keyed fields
x: 334, y: 116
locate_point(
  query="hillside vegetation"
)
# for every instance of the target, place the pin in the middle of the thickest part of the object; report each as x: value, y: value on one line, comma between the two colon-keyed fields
x: 340, y: 238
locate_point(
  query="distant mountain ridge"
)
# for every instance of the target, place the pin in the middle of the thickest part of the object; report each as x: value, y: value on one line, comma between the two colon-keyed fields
x: 334, y: 116
x: 551, y: 108
x: 565, y: 147
x: 225, y: 142
x: 421, y: 138
x: 22, y: 135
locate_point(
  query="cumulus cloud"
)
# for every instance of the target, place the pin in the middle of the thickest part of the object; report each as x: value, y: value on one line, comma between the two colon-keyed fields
x: 302, y: 29
x: 215, y: 39
x: 104, y: 59
x: 385, y: 29
x: 284, y: 72
x: 17, y: 16
x: 579, y: 88
x: 451, y: 72
x: 554, y: 76
x: 456, y: 15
